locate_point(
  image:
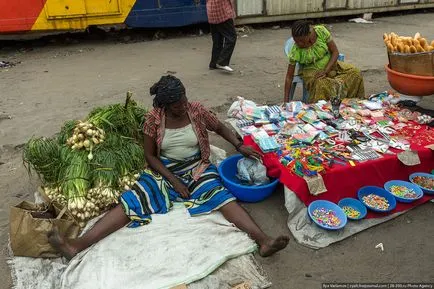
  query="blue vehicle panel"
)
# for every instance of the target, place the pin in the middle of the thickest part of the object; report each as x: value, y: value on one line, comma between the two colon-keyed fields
x: 167, y: 13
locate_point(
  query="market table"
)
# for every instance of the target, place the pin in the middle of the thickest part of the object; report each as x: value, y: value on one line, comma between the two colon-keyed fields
x: 346, y: 176
x: 345, y: 181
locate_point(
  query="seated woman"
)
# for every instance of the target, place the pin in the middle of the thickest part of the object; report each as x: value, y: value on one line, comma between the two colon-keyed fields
x: 323, y: 76
x: 177, y: 155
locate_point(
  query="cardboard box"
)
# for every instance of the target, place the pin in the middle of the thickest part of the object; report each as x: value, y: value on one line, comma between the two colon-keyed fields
x: 415, y: 63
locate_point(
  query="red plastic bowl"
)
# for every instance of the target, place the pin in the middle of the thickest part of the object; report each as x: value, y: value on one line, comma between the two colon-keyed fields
x: 410, y: 84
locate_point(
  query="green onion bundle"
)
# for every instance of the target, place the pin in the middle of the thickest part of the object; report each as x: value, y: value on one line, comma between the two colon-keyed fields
x: 105, y: 176
x: 43, y: 155
x: 87, y: 165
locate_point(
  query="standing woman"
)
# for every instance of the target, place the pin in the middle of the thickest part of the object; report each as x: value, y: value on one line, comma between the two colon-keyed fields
x: 178, y: 170
x: 323, y: 75
x: 221, y: 14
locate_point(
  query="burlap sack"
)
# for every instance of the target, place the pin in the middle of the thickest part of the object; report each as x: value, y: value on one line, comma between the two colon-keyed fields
x: 30, y: 223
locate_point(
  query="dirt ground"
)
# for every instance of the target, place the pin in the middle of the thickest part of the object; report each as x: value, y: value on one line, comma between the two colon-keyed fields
x: 57, y: 82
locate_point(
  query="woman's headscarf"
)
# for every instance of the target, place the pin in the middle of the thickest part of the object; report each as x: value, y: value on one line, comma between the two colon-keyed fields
x: 167, y: 90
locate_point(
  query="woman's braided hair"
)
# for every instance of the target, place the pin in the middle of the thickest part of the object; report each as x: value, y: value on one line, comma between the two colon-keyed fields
x: 301, y: 28
x: 167, y: 90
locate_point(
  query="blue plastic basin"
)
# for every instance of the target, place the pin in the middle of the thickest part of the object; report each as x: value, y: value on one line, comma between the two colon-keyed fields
x: 356, y: 205
x: 411, y: 186
x: 328, y: 206
x: 365, y: 191
x: 425, y: 190
x: 251, y: 194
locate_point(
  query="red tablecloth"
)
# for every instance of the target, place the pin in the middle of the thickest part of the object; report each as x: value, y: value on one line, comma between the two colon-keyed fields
x: 345, y: 181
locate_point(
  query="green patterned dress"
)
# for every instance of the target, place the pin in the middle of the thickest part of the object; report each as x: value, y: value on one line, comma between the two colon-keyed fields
x: 344, y: 79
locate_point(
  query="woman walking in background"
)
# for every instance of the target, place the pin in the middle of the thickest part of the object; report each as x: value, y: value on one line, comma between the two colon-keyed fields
x: 323, y: 75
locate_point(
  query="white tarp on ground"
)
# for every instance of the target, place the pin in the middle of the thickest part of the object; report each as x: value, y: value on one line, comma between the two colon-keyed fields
x: 174, y: 249
x: 308, y: 234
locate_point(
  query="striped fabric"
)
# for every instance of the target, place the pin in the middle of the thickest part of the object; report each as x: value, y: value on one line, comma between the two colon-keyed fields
x: 153, y: 194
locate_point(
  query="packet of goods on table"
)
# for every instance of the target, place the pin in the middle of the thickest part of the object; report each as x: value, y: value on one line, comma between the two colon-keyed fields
x: 294, y: 106
x: 259, y: 134
x: 268, y: 144
x: 238, y: 107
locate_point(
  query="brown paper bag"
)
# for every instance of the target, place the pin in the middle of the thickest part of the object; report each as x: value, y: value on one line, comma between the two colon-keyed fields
x: 409, y: 158
x: 315, y: 184
x: 30, y: 223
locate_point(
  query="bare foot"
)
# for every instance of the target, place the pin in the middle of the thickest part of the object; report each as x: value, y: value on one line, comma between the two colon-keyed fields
x: 273, y: 246
x: 61, y: 245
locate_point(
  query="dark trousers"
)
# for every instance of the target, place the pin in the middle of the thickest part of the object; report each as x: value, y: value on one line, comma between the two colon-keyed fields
x: 224, y: 38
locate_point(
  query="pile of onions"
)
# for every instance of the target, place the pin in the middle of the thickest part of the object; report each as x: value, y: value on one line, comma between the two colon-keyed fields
x: 103, y: 197
x: 83, y: 209
x: 55, y: 195
x: 86, y: 136
x: 128, y: 181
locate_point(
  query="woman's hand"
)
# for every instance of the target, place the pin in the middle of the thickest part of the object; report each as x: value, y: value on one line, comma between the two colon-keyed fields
x: 320, y: 74
x: 181, y: 189
x: 249, y: 152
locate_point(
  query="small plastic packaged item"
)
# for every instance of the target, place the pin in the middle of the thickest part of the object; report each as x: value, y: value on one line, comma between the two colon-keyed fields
x: 364, y: 112
x: 271, y: 128
x: 309, y: 128
x: 322, y: 135
x: 371, y: 105
x: 248, y: 130
x: 274, y: 117
x: 262, y: 121
x: 238, y: 108
x: 331, y: 131
x: 244, y: 122
x: 253, y: 113
x: 290, y: 129
x: 310, y: 116
x: 307, y: 138
x: 259, y: 134
x: 295, y: 106
x: 272, y: 109
x: 324, y: 115
x: 287, y: 114
x: 377, y: 114
x: 252, y: 172
x: 319, y: 125
x: 268, y: 144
